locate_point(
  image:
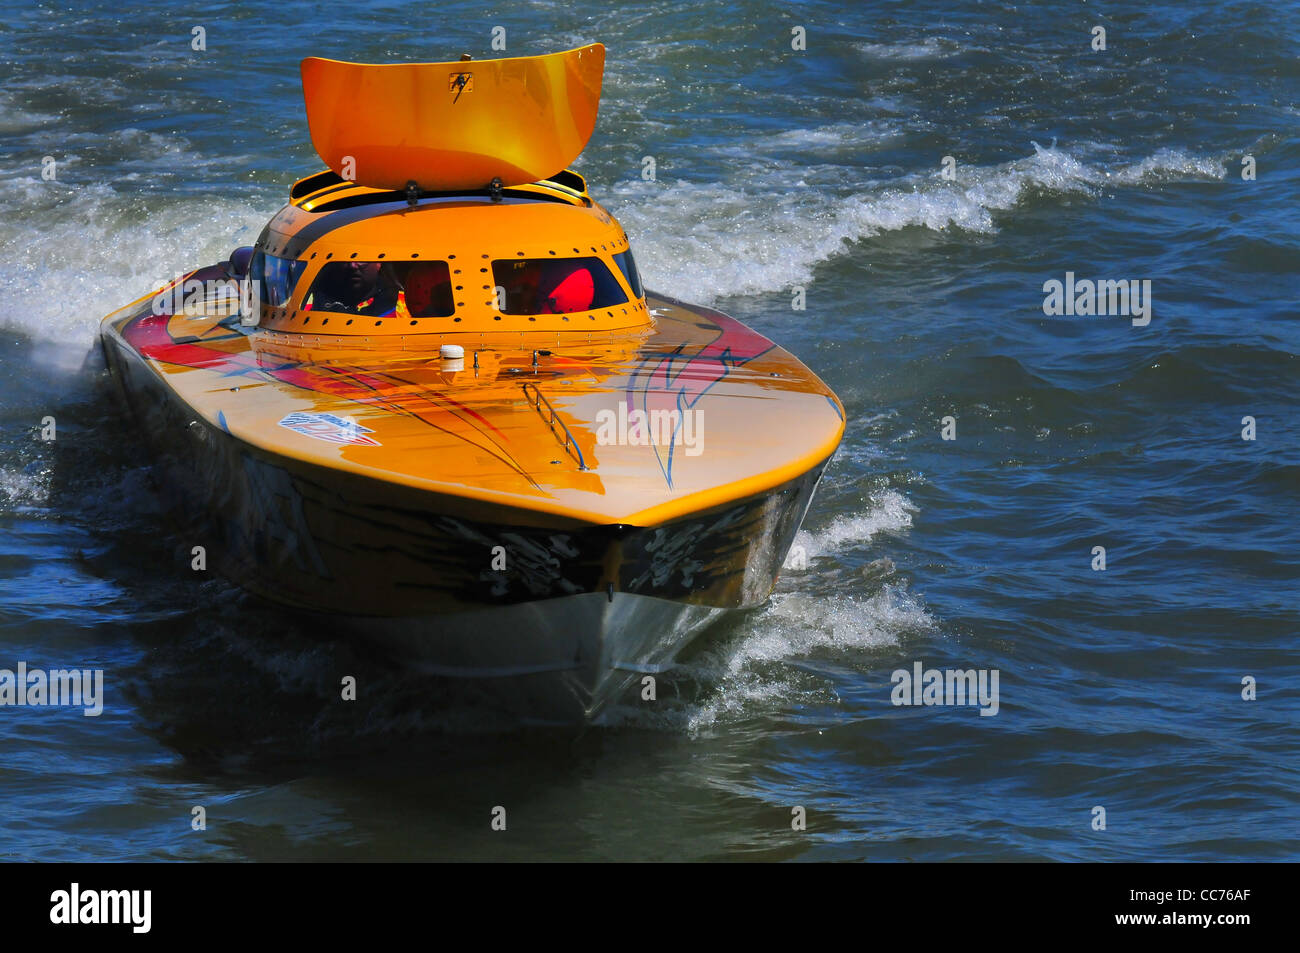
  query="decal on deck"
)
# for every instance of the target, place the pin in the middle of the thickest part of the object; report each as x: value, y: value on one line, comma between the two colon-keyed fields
x: 329, y: 427
x: 675, y: 382
x: 150, y: 335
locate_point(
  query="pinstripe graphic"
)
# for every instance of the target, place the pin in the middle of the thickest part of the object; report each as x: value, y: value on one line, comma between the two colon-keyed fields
x: 150, y: 335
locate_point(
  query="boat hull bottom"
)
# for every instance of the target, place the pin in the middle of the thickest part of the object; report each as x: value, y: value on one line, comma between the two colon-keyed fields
x: 553, y: 661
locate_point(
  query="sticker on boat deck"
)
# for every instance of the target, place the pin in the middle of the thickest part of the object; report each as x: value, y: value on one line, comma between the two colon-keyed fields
x: 329, y: 427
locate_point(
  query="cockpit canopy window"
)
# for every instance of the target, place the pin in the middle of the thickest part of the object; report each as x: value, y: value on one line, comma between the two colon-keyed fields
x: 415, y: 289
x: 555, y: 285
x: 628, y: 267
x: 277, y: 276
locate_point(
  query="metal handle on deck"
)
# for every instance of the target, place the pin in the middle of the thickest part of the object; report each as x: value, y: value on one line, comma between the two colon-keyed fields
x: 543, y: 407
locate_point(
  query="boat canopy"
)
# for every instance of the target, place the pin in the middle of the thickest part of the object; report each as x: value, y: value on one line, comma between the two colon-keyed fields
x: 536, y: 258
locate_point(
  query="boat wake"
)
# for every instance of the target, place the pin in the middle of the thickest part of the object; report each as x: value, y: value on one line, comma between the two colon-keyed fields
x: 96, y: 246
x: 890, y: 512
x: 756, y: 235
x: 93, y: 251
x: 778, y: 661
x: 770, y: 663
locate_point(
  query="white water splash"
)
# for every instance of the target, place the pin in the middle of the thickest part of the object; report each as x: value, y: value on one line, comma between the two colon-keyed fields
x: 94, y: 256
x: 931, y: 48
x: 721, y: 239
x: 23, y: 489
x: 73, y: 254
x: 890, y: 512
x: 752, y: 674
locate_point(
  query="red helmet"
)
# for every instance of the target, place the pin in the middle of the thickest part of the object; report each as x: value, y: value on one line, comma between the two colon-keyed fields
x: 575, y: 292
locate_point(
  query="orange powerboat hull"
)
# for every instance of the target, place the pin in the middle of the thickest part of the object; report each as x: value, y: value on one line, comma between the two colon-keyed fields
x: 560, y: 613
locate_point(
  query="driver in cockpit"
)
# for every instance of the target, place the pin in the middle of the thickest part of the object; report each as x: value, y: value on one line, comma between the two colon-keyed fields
x: 352, y: 287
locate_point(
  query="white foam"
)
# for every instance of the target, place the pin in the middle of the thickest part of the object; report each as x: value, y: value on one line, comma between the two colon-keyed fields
x: 23, y: 488
x: 890, y: 512
x: 820, y: 140
x: 930, y: 48
x: 1170, y: 164
x: 16, y: 119
x: 79, y: 253
x: 752, y: 673
x: 75, y: 253
x: 763, y: 235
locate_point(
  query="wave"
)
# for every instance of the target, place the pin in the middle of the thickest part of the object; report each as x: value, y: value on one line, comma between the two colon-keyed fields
x: 80, y: 252
x: 720, y: 240
x: 754, y: 673
x: 890, y: 512
x: 931, y: 48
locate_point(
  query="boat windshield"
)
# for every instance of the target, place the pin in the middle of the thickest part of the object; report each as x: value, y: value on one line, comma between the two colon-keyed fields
x: 276, y: 276
x: 555, y: 285
x: 415, y: 289
x: 628, y: 267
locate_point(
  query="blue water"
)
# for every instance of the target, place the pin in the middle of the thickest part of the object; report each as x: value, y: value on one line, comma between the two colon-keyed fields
x: 776, y: 170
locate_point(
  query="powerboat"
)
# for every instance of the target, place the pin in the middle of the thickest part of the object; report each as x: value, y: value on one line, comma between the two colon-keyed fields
x: 434, y: 406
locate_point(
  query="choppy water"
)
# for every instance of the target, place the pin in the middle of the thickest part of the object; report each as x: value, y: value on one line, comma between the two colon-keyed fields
x: 775, y: 169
